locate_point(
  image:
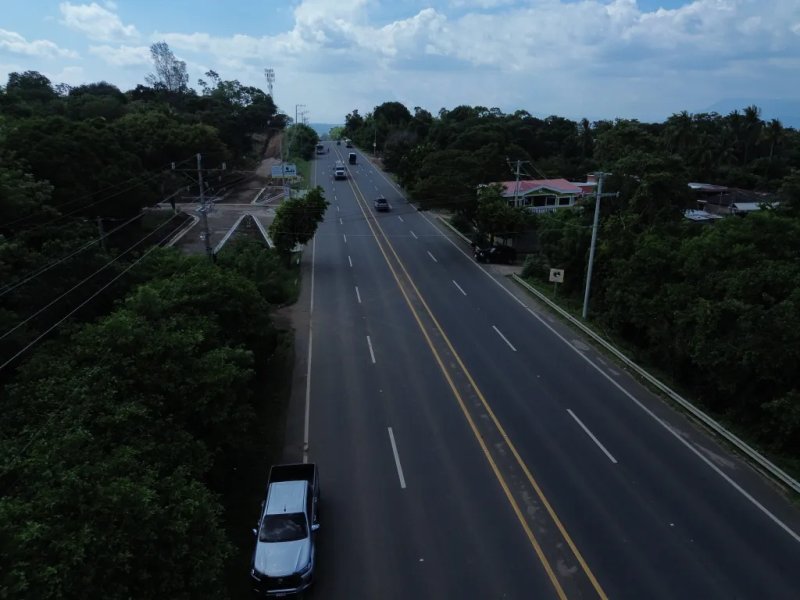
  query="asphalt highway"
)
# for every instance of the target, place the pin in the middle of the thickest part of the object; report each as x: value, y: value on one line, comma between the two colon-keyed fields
x: 471, y: 446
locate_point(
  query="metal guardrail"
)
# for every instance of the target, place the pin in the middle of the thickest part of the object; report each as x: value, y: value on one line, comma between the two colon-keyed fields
x: 706, y: 420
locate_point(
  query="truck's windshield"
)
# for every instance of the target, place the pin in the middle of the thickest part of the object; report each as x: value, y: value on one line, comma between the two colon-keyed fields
x: 283, y: 528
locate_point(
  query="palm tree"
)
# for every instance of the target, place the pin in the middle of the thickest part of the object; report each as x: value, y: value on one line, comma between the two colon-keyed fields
x: 679, y: 131
x: 734, y: 129
x: 585, y: 134
x: 773, y: 134
x: 752, y: 128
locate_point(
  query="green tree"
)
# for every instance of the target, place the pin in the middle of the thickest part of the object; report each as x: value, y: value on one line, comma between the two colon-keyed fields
x: 495, y: 218
x: 170, y: 73
x: 261, y: 265
x: 302, y: 141
x: 296, y: 220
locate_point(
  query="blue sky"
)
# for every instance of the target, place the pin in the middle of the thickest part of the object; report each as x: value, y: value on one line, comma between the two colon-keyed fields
x: 643, y: 59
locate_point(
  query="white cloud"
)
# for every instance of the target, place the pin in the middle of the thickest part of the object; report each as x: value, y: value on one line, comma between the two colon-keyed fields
x: 110, y: 5
x: 593, y: 57
x: 122, y: 56
x: 72, y: 75
x: 15, y: 43
x: 96, y: 22
x: 481, y: 3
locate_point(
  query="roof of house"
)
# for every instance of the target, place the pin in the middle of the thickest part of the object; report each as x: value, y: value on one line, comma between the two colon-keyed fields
x: 707, y: 187
x: 560, y: 186
x: 752, y: 206
x: 700, y: 215
x: 737, y: 196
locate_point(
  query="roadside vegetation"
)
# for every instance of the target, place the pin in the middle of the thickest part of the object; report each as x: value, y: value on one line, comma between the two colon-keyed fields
x: 715, y: 306
x: 143, y: 391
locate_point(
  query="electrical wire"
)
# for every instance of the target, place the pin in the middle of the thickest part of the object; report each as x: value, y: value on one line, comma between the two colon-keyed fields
x: 92, y: 194
x: 56, y: 410
x: 74, y: 310
x: 11, y: 287
x: 84, y: 207
x: 83, y: 281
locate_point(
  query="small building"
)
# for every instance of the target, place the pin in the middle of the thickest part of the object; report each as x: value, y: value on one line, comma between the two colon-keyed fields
x: 724, y: 201
x: 700, y: 216
x: 542, y: 195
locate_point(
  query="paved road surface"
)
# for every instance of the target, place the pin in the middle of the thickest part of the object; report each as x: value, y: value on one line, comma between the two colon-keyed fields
x: 470, y: 447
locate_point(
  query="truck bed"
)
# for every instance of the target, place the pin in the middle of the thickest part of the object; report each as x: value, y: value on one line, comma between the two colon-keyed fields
x: 296, y: 472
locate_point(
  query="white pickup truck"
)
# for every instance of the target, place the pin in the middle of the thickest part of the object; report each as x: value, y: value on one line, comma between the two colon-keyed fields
x: 283, y: 559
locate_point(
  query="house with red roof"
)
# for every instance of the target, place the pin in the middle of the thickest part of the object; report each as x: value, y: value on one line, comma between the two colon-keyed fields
x: 544, y: 195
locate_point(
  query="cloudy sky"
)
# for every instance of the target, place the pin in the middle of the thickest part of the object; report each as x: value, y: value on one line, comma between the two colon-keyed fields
x: 596, y: 58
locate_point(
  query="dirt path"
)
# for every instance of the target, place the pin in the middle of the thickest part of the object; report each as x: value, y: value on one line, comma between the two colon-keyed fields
x: 272, y: 156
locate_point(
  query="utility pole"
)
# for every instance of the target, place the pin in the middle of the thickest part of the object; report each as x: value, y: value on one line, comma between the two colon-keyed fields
x: 203, y: 206
x: 600, y: 177
x: 516, y: 186
x: 270, y: 75
x: 517, y: 176
x: 293, y: 132
x: 206, y: 202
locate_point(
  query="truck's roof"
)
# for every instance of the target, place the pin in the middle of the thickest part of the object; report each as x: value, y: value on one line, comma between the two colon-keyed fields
x: 286, y: 497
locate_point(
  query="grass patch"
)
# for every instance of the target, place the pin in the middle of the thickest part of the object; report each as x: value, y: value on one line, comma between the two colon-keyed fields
x: 304, y: 172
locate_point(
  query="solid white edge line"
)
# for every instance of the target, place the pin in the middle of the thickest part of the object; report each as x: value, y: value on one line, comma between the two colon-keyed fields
x: 307, y: 423
x: 459, y: 287
x: 350, y: 260
x: 414, y: 235
x: 371, y: 353
x: 358, y: 295
x: 591, y: 435
x: 432, y: 257
x: 599, y: 369
x: 505, y: 339
x: 397, y: 459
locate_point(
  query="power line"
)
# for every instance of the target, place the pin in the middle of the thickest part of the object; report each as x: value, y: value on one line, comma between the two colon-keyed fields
x: 89, y: 196
x: 57, y: 408
x: 80, y: 283
x: 11, y: 287
x: 77, y: 308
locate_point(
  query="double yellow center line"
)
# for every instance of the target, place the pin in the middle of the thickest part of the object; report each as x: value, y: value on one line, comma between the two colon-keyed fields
x: 505, y: 465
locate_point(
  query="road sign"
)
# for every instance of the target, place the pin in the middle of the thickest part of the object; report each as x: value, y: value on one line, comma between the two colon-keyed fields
x: 284, y: 170
x: 557, y: 275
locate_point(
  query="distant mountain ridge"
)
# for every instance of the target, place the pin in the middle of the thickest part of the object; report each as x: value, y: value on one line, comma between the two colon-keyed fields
x: 786, y: 111
x: 324, y: 128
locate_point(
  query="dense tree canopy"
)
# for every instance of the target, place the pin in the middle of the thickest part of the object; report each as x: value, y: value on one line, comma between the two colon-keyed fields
x: 120, y: 427
x: 716, y: 306
x: 296, y: 220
